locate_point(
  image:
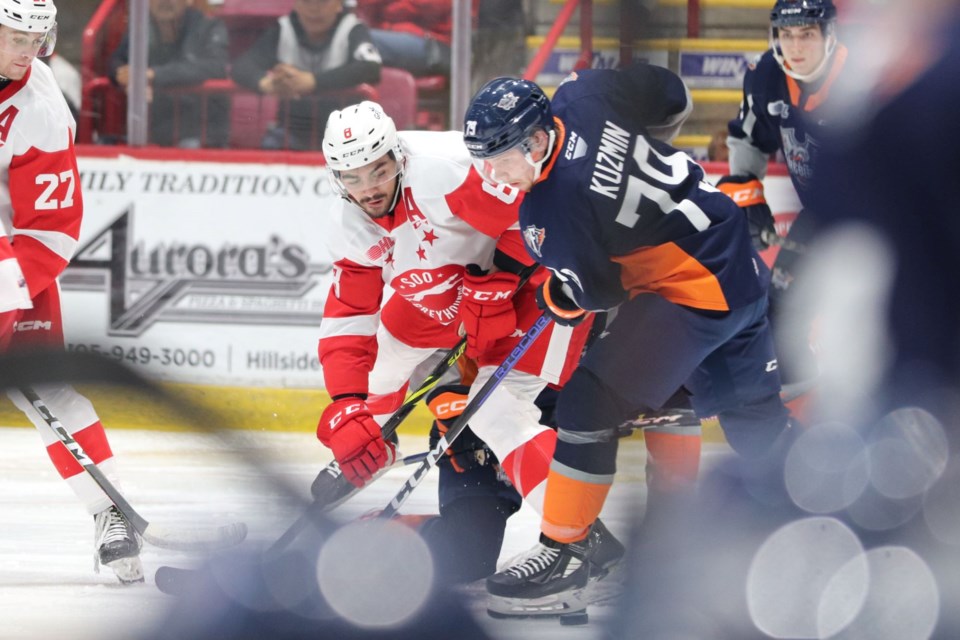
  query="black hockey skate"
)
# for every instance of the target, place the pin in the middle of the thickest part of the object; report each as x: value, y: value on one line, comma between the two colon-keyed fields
x: 117, y: 545
x: 553, y: 578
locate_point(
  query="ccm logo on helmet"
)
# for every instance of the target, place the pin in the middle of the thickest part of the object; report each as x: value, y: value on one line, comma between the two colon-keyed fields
x: 40, y: 16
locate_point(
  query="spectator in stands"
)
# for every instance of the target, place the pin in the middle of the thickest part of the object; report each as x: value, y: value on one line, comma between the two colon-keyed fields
x: 412, y: 34
x: 316, y: 48
x: 186, y: 49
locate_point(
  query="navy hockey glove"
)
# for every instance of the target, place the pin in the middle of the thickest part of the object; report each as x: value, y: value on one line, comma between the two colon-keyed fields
x: 552, y: 299
x: 747, y: 191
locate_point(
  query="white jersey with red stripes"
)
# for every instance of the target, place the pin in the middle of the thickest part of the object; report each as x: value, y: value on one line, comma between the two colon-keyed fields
x: 40, y: 201
x: 446, y: 217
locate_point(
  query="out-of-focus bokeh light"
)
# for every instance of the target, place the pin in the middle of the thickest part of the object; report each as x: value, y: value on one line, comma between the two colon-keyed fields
x: 847, y: 280
x: 793, y: 569
x: 941, y: 508
x: 902, y: 602
x: 827, y: 468
x: 910, y: 454
x: 375, y: 573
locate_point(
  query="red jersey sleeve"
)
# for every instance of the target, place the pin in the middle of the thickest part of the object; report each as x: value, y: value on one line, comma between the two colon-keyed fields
x: 488, y: 208
x: 348, y: 331
x: 47, y: 210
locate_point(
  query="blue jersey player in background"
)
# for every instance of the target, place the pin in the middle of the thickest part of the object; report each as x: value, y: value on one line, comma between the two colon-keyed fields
x: 625, y: 222
x: 784, y: 109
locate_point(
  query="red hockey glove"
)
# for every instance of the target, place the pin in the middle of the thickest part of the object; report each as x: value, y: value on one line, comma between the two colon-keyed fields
x: 552, y: 299
x: 347, y: 427
x: 747, y: 192
x: 486, y: 308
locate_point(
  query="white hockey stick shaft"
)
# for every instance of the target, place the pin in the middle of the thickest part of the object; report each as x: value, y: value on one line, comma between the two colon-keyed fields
x: 184, y: 540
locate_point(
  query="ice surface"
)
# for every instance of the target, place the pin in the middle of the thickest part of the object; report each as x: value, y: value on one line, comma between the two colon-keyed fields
x: 48, y: 588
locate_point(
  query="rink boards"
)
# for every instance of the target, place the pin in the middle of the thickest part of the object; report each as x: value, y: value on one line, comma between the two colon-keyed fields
x: 209, y: 276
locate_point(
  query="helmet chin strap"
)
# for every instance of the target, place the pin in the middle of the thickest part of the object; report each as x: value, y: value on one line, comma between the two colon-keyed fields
x: 538, y: 165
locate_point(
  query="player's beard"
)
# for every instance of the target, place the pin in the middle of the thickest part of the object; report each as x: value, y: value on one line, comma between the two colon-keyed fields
x: 378, y: 204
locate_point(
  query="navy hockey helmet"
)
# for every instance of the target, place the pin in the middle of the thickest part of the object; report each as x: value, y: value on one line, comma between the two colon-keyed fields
x: 801, y: 13
x: 793, y: 13
x: 503, y: 114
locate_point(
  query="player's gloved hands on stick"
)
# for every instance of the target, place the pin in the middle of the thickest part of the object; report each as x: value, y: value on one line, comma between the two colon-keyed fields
x: 747, y: 191
x: 486, y: 309
x: 347, y: 427
x: 561, y: 307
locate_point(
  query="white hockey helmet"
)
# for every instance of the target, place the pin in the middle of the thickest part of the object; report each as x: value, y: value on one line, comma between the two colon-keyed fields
x: 34, y: 16
x: 357, y: 135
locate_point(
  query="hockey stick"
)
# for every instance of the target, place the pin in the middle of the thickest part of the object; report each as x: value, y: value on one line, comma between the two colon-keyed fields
x: 461, y: 422
x: 330, y: 488
x: 167, y: 538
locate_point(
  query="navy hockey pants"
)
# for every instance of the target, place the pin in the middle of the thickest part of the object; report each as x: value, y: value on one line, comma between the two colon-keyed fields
x: 651, y: 349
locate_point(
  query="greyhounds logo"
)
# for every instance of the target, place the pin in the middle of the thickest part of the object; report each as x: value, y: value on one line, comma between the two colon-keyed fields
x: 240, y: 284
x: 534, y: 237
x: 436, y: 292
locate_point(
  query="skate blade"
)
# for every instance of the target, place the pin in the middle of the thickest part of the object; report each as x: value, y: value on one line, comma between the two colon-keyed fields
x: 546, y: 606
x: 128, y: 570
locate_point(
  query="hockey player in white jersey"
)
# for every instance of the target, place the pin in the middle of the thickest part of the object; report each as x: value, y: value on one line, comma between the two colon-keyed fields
x: 41, y: 207
x: 414, y: 215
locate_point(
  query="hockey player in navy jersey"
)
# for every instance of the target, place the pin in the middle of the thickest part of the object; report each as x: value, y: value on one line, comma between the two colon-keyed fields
x: 784, y: 95
x: 624, y: 221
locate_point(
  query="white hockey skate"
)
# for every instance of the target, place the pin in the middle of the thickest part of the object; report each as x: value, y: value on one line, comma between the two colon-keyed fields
x: 117, y: 545
x: 555, y: 579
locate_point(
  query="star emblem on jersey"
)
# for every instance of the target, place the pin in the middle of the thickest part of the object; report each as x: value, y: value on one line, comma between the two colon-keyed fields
x: 429, y: 236
x: 508, y: 102
x: 534, y: 237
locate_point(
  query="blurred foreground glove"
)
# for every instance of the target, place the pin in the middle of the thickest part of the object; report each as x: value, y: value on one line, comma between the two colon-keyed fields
x: 552, y: 299
x: 486, y: 309
x: 747, y: 191
x: 347, y: 427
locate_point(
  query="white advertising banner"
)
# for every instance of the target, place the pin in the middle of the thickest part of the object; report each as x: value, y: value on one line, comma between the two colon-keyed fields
x: 215, y: 272
x: 202, y: 272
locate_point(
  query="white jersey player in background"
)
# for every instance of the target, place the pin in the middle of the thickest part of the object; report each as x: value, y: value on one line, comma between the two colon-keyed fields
x: 41, y: 207
x: 414, y: 215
